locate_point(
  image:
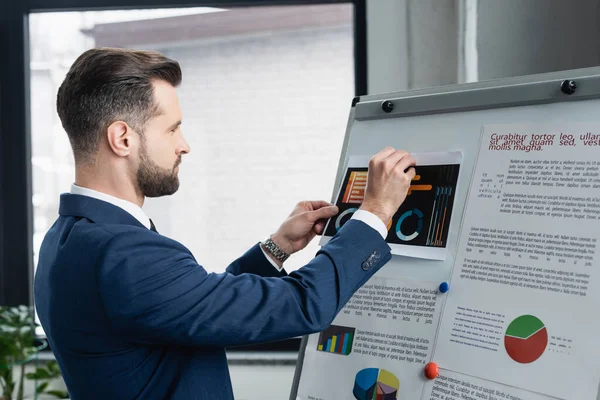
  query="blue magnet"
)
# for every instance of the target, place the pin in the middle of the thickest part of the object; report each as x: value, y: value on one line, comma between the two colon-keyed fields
x: 444, y: 287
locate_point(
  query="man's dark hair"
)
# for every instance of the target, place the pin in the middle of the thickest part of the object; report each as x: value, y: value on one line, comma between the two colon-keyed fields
x: 105, y: 85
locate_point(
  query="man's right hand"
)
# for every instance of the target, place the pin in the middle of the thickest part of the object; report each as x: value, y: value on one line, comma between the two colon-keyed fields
x: 389, y: 177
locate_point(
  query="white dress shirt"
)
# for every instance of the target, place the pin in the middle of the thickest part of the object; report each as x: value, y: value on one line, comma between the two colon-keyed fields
x: 128, y: 206
x: 368, y: 218
x: 372, y: 220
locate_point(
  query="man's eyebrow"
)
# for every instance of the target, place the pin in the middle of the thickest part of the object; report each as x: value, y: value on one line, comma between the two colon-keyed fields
x: 175, y: 125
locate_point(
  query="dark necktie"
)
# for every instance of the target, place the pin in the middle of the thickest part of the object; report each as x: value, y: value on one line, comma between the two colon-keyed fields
x: 152, y: 227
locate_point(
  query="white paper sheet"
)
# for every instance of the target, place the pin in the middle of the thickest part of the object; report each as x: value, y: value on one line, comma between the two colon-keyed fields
x: 451, y: 386
x: 522, y: 308
x: 386, y: 331
x: 420, y: 227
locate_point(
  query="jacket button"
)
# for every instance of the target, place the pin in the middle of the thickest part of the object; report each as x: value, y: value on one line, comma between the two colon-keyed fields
x: 371, y: 260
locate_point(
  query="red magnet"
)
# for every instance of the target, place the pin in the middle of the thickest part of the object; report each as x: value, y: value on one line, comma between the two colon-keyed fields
x: 432, y: 370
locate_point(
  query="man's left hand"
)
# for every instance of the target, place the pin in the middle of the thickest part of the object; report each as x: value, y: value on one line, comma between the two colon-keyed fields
x: 307, y: 220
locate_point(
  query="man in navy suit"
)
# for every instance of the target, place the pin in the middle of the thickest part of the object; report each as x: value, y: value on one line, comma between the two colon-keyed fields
x: 129, y: 313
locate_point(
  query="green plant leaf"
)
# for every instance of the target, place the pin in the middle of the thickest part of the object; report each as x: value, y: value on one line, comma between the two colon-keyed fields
x: 17, y: 344
x: 58, y: 393
x: 54, y: 369
x: 42, y: 373
x: 42, y: 387
x: 32, y: 376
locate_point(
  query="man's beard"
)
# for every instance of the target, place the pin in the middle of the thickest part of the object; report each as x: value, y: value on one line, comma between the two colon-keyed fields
x: 153, y: 180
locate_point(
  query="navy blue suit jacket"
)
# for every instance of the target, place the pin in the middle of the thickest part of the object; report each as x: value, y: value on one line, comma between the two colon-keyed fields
x: 130, y: 314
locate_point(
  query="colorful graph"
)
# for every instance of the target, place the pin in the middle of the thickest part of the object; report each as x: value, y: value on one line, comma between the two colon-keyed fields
x: 343, y: 217
x: 413, y: 188
x: 526, y: 339
x: 404, y: 237
x: 336, y: 339
x: 375, y: 384
x: 355, y: 188
x: 424, y: 217
x: 357, y: 183
x: 439, y: 213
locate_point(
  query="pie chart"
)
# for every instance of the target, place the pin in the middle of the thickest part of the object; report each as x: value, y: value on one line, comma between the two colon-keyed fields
x: 526, y: 339
x: 375, y: 384
x: 344, y: 217
x: 419, y: 225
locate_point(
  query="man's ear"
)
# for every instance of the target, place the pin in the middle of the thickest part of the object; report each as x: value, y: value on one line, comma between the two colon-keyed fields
x: 120, y: 138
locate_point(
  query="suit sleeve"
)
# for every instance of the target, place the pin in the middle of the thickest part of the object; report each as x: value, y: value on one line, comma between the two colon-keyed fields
x: 254, y: 262
x: 155, y: 292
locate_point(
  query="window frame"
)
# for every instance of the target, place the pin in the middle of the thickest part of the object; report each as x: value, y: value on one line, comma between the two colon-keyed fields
x: 16, y: 209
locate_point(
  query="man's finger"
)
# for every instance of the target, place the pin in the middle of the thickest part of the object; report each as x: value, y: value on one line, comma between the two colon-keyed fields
x: 317, y: 204
x: 405, y: 163
x: 319, y: 227
x: 322, y: 213
x: 397, y: 156
x: 383, y: 153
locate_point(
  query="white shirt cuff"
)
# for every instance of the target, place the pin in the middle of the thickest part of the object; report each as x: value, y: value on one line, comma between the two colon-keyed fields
x: 372, y: 220
x: 273, y: 263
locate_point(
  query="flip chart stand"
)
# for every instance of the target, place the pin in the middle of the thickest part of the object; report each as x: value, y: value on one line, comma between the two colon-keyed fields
x: 435, y: 119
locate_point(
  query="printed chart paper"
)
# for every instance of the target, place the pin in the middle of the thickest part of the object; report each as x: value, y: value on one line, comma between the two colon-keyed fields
x: 522, y: 309
x: 377, y: 346
x: 452, y: 386
x: 420, y: 226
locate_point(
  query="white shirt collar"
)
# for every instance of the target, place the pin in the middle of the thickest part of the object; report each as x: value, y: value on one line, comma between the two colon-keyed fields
x: 128, y: 206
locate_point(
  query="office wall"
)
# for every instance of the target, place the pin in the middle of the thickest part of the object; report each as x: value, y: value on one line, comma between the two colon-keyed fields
x: 516, y: 37
x: 411, y: 44
x: 426, y: 43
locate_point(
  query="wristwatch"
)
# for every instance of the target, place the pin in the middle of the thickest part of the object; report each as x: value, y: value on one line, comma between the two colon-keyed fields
x: 275, y: 250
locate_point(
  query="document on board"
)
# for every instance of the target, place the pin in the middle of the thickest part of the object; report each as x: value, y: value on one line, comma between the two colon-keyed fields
x: 377, y: 346
x: 451, y: 386
x: 522, y: 309
x: 420, y: 226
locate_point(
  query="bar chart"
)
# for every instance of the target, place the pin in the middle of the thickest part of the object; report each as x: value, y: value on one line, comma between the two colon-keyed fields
x: 336, y: 339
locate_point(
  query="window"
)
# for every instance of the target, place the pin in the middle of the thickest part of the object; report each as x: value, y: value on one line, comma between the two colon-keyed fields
x: 265, y: 98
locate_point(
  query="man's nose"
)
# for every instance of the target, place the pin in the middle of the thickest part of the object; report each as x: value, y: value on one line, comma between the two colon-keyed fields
x: 184, y: 147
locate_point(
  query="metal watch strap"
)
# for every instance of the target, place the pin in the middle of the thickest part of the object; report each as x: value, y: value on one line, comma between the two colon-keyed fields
x: 275, y: 250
